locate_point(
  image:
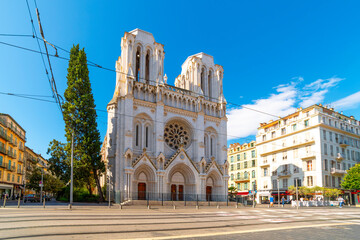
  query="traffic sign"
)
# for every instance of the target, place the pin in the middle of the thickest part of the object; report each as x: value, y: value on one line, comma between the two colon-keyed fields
x: 41, y: 185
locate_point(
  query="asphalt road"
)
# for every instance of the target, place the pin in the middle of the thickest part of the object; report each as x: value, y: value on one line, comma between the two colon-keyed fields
x: 100, y: 222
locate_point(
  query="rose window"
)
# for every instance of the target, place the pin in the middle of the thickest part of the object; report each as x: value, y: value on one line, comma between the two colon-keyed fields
x: 176, y: 134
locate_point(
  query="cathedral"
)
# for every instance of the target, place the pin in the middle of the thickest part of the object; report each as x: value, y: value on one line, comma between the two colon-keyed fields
x: 166, y: 142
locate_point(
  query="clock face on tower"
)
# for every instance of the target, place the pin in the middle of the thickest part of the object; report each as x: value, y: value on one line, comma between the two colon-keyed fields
x: 175, y: 134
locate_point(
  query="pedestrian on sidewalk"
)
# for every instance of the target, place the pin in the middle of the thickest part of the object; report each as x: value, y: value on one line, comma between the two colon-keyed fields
x: 341, y: 202
x: 271, y: 201
x: 282, y: 201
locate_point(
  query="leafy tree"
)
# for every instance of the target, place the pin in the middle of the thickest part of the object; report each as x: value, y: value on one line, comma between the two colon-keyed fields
x: 352, y: 178
x: 58, y: 162
x: 80, y: 121
x: 51, y: 183
x: 232, y: 190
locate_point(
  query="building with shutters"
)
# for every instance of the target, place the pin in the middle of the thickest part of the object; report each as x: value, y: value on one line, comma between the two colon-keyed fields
x: 242, y: 159
x: 315, y: 145
x: 12, y: 152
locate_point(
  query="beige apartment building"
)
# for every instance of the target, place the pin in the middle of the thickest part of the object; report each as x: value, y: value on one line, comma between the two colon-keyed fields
x: 242, y: 160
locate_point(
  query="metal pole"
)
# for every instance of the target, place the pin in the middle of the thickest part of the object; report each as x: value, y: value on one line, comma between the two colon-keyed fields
x: 278, y: 187
x: 109, y: 185
x: 297, y: 195
x: 41, y: 185
x: 72, y: 171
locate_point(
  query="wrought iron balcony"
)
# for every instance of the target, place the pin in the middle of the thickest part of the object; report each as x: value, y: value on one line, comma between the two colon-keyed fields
x: 242, y: 179
x: 9, y: 167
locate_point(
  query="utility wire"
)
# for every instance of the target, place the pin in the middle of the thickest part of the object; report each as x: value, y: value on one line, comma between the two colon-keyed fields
x: 92, y: 64
x: 37, y: 40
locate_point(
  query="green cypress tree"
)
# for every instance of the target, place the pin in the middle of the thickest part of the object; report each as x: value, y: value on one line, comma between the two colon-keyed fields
x: 80, y: 119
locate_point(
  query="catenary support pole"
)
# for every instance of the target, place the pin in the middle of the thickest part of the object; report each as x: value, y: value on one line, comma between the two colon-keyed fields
x: 72, y: 172
x: 297, y: 195
x: 278, y: 187
x: 42, y: 184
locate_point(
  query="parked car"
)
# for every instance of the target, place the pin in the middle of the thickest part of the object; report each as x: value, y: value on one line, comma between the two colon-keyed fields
x: 32, y: 198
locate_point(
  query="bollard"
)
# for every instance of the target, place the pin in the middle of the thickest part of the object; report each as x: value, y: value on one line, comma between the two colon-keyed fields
x: 44, y: 203
x: 120, y: 206
x: 197, y: 207
x: 70, y: 207
x: 218, y: 206
x: 148, y: 206
x: 19, y: 202
x: 174, y: 206
x: 236, y: 206
x: 4, y: 204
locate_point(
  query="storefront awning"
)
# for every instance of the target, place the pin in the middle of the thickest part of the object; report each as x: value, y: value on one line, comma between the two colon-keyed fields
x: 5, y: 186
x: 243, y: 193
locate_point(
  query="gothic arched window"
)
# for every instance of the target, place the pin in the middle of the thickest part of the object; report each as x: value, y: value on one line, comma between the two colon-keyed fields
x: 137, y: 66
x: 209, y: 84
x: 147, y: 66
x: 203, y: 80
x: 137, y: 135
x: 147, y: 137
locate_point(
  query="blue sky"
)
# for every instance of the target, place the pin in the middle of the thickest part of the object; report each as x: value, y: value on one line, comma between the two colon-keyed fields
x: 277, y: 55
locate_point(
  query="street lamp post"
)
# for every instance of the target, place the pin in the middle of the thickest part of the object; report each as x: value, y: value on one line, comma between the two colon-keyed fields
x: 297, y: 194
x: 42, y: 184
x: 109, y: 187
x: 72, y: 171
x: 278, y: 188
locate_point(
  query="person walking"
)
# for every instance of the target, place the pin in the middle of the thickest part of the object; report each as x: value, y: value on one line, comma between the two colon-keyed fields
x: 282, y: 201
x: 271, y: 201
x: 341, y: 202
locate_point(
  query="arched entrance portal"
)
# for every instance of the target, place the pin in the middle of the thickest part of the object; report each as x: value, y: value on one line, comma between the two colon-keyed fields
x: 141, y: 191
x: 177, y: 187
x: 209, y: 187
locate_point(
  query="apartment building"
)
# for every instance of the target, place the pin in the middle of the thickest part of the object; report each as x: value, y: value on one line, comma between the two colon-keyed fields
x: 315, y: 146
x: 243, y: 167
x: 33, y: 160
x: 12, y: 148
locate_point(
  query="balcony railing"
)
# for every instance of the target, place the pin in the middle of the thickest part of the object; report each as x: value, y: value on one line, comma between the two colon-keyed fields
x: 343, y: 144
x: 21, y: 148
x: 264, y: 163
x: 21, y: 159
x: 3, y: 149
x: 2, y: 164
x: 4, y: 135
x: 339, y: 157
x: 307, y: 155
x: 9, y: 167
x: 19, y: 171
x: 284, y: 173
x: 337, y: 171
x: 11, y: 154
x: 242, y: 179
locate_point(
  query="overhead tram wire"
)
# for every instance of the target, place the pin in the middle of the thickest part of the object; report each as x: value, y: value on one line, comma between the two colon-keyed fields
x: 105, y: 111
x: 37, y: 40
x: 53, y: 83
x: 140, y: 118
x: 93, y: 64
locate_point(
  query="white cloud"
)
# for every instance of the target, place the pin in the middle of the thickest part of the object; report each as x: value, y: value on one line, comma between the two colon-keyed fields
x: 244, y: 122
x: 314, y: 92
x: 349, y: 102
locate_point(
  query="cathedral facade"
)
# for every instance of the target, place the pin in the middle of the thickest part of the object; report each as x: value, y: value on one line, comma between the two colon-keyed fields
x: 166, y: 142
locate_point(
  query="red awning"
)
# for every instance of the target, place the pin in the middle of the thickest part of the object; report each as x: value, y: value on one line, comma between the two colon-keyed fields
x: 243, y: 193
